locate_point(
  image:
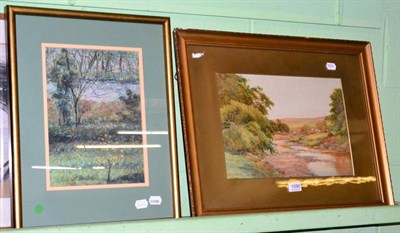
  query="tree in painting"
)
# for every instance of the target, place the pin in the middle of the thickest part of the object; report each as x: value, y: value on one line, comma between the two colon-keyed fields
x: 244, y: 112
x: 91, y: 95
x: 76, y: 71
x: 338, y: 115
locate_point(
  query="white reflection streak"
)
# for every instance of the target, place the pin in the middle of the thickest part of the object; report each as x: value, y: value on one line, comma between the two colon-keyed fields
x: 55, y: 168
x: 64, y: 168
x: 116, y: 146
x: 143, y: 132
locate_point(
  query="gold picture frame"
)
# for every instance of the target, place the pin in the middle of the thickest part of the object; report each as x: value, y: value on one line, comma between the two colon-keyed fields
x: 235, y: 163
x: 92, y: 117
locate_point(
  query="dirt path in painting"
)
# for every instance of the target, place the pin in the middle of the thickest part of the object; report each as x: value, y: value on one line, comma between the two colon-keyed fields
x: 295, y: 160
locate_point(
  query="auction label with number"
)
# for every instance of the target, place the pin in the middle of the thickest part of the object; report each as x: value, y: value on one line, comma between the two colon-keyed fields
x: 141, y: 204
x: 294, y: 187
x: 155, y: 200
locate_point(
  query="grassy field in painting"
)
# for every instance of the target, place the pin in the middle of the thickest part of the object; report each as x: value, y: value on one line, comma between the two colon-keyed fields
x: 94, y: 167
x: 238, y: 166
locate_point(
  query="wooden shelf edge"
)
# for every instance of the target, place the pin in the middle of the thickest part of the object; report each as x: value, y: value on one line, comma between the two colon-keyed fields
x: 264, y: 222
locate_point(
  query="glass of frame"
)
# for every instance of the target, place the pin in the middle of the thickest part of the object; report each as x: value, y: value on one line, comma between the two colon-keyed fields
x: 92, y: 117
x: 277, y: 123
x: 5, y: 136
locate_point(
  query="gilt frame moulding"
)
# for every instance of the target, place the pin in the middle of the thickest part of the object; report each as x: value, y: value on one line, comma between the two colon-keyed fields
x: 252, y: 141
x: 92, y: 117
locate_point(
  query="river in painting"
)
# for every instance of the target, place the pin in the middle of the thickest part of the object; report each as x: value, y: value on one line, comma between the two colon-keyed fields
x: 295, y: 160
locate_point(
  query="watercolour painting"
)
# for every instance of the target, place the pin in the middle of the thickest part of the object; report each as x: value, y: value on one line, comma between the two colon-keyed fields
x: 275, y: 123
x: 94, y: 117
x: 282, y: 126
x: 5, y: 153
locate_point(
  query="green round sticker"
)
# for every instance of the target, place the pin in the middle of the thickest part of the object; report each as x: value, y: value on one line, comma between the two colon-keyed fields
x: 39, y: 209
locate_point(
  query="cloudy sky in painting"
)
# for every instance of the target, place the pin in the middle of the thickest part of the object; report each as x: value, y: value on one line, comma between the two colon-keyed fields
x: 296, y: 97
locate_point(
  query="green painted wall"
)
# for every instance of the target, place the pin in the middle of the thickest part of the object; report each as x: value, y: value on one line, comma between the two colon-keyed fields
x: 377, y: 21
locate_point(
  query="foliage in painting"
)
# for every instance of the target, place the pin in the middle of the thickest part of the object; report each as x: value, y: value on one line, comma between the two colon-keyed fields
x: 337, y: 116
x: 257, y: 146
x: 244, y: 112
x: 91, y: 95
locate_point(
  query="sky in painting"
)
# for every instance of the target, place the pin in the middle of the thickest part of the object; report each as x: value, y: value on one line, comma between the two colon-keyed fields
x: 296, y: 97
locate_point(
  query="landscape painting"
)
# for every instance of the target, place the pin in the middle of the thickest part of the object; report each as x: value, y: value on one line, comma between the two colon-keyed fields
x: 94, y: 117
x: 282, y: 126
x: 5, y: 150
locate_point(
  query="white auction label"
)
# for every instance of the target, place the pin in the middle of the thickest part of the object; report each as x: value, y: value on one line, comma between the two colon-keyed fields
x: 155, y: 200
x: 330, y: 66
x: 294, y: 187
x: 197, y: 55
x: 141, y: 204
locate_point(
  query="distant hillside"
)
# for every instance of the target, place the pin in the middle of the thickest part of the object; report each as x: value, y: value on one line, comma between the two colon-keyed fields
x: 295, y: 123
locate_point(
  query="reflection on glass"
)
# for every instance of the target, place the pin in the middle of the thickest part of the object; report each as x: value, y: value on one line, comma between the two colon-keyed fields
x: 143, y: 132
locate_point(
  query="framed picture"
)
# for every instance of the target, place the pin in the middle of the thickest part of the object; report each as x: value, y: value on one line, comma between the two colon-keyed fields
x: 92, y: 117
x: 5, y: 136
x: 276, y: 123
